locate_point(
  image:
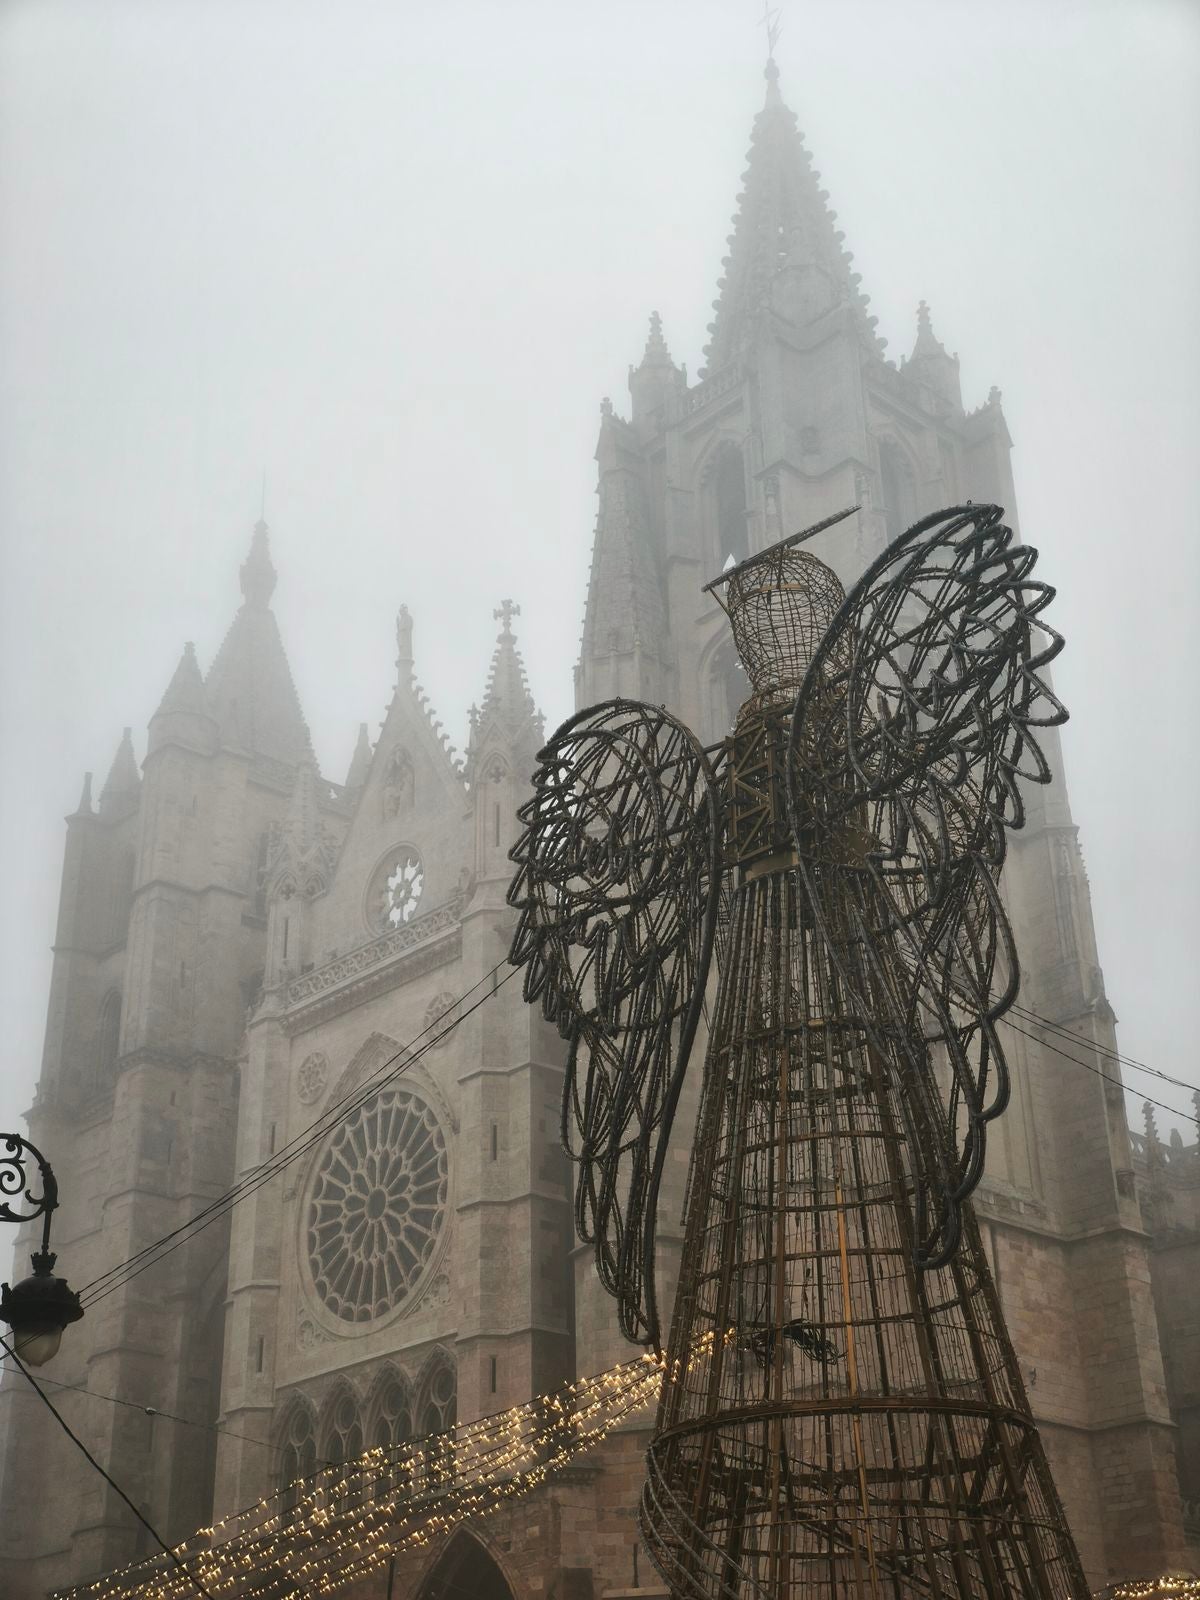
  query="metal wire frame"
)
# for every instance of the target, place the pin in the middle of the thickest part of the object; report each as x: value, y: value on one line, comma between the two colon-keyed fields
x: 855, y: 1424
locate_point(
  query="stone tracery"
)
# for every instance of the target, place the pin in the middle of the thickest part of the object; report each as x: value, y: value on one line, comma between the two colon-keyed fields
x: 378, y: 1206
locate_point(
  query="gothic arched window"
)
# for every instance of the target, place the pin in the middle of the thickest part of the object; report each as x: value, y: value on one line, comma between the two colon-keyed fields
x: 341, y: 1430
x: 899, y: 488
x: 298, y: 1450
x: 390, y: 1428
x: 436, y: 1417
x: 729, y: 507
x: 108, y: 1038
x: 392, y: 1423
x: 439, y: 1401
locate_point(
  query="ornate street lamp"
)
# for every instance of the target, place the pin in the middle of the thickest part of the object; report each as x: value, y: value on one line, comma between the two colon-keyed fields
x: 39, y: 1307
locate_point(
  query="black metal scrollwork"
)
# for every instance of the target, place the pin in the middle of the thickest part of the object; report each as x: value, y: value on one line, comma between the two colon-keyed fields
x: 17, y: 1185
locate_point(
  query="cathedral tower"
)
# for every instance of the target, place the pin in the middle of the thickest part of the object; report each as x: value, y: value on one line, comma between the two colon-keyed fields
x: 160, y: 942
x: 798, y: 413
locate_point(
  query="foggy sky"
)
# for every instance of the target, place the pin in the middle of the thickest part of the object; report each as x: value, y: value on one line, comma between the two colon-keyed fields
x: 396, y: 254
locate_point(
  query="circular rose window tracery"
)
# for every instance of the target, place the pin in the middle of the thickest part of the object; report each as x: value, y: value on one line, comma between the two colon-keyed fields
x: 400, y: 893
x: 378, y: 1206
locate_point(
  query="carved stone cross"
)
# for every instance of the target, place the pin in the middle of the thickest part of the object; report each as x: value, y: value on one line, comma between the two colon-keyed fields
x: 505, y: 612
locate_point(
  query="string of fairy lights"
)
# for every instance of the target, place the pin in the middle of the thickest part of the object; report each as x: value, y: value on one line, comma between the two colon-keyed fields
x: 344, y: 1522
x: 327, y: 1530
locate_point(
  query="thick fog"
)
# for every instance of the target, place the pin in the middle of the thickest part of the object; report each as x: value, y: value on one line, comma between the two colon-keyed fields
x: 396, y: 254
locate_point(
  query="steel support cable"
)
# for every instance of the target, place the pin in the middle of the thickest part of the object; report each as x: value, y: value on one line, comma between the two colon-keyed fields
x: 191, y: 1422
x: 169, y: 1416
x: 280, y: 1155
x: 121, y: 1274
x: 263, y: 1174
x: 1103, y: 1049
x: 1088, y: 1065
x: 112, y: 1483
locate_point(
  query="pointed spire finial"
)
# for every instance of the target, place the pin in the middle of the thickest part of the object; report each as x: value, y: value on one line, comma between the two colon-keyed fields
x: 656, y: 353
x: 123, y: 781
x: 360, y: 761
x: 262, y: 503
x: 404, y: 648
x: 257, y: 575
x: 773, y: 27
x: 84, y: 808
x: 1150, y: 1121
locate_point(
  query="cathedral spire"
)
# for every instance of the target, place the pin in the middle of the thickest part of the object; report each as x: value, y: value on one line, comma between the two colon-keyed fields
x: 84, y: 808
x: 507, y: 711
x: 785, y: 254
x: 249, y: 688
x: 931, y: 363
x: 183, y: 713
x: 258, y: 576
x: 625, y: 620
x: 121, y: 787
x: 360, y: 761
x: 185, y: 692
x: 651, y: 383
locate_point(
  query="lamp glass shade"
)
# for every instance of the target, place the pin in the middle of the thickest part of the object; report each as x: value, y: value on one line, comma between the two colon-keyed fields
x: 37, y: 1345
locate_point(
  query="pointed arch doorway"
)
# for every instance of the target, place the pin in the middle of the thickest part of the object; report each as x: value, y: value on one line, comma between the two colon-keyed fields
x: 465, y: 1568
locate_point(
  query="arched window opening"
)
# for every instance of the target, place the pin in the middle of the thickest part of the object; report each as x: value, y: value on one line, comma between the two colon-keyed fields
x: 393, y: 1419
x: 297, y: 1455
x: 342, y: 1435
x: 729, y: 498
x: 108, y: 1039
x: 899, y: 490
x: 436, y: 1417
x: 465, y: 1567
x: 439, y: 1407
x: 341, y: 1446
x: 391, y: 1430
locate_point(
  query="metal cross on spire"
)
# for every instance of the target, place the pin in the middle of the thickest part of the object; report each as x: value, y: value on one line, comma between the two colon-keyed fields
x: 773, y: 27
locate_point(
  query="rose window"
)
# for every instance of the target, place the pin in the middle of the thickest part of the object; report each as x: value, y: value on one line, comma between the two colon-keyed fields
x: 402, y: 882
x: 378, y: 1206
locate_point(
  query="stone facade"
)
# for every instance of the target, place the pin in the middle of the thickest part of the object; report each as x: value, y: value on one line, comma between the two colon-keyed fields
x: 245, y: 947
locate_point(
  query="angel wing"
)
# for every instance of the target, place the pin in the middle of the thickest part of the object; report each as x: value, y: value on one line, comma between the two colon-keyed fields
x: 915, y: 723
x: 617, y: 885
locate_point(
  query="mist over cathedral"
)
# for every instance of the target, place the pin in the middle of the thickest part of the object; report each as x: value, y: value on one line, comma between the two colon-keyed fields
x: 244, y: 943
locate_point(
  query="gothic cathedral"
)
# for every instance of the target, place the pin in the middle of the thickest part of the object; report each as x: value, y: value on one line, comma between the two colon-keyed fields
x: 244, y: 946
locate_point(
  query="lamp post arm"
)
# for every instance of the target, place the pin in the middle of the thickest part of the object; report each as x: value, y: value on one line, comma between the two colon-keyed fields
x: 17, y: 1187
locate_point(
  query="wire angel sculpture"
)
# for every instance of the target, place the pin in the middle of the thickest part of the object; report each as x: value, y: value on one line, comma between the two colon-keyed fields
x: 842, y: 1413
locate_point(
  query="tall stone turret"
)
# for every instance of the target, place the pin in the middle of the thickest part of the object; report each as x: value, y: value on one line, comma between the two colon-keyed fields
x: 506, y: 733
x: 160, y: 941
x: 799, y: 413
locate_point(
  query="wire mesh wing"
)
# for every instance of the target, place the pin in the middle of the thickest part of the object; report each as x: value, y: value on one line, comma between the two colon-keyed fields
x: 617, y: 885
x: 913, y: 733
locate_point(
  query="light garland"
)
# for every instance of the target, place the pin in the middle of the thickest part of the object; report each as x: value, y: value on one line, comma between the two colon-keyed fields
x: 1171, y: 1586
x: 340, y: 1524
x: 326, y: 1530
